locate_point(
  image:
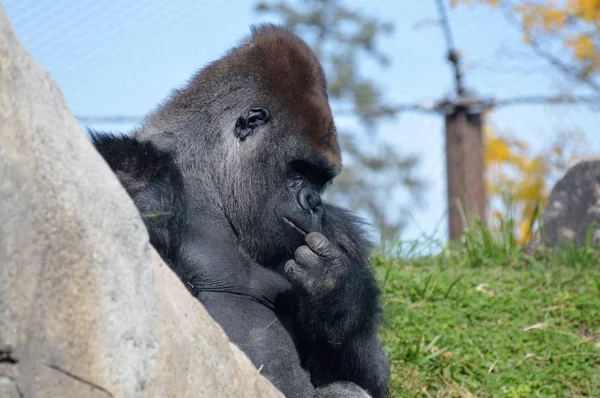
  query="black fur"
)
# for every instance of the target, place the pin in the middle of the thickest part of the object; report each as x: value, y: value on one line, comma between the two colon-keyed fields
x: 154, y: 183
x: 234, y: 164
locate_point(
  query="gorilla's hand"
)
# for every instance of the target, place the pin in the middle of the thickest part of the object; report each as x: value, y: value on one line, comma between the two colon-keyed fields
x: 335, y: 315
x: 328, y: 308
x: 317, y: 268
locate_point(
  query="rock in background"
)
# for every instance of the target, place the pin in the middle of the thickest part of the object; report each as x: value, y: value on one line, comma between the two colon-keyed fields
x: 87, y: 308
x: 573, y: 205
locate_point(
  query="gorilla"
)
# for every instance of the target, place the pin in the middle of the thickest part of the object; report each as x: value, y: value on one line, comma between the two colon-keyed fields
x: 227, y: 174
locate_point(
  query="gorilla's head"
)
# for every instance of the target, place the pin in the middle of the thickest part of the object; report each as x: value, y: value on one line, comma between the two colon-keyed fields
x: 254, y: 138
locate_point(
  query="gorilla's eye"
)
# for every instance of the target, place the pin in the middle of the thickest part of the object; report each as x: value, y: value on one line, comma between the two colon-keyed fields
x: 246, y: 124
x: 316, y: 175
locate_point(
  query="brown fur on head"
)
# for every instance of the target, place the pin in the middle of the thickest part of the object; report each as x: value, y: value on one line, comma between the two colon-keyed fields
x: 290, y: 70
x: 289, y: 76
x: 248, y: 132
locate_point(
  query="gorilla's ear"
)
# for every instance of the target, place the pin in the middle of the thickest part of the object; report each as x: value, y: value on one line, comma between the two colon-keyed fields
x: 246, y: 124
x: 152, y: 180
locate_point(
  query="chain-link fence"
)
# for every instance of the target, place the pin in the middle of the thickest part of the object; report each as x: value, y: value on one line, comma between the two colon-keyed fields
x: 115, y: 60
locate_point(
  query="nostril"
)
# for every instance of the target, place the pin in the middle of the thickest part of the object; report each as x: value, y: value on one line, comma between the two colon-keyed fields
x: 309, y: 199
x: 319, y: 211
x: 314, y: 201
x: 303, y: 198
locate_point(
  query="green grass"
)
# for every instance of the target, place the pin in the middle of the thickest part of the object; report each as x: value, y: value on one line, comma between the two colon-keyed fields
x: 483, y: 319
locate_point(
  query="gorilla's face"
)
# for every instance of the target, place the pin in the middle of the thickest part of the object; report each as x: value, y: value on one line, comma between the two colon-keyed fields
x: 276, y: 142
x: 301, y: 212
x: 278, y: 179
x: 291, y: 210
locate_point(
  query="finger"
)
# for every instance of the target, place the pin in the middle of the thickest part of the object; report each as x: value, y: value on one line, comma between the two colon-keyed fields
x: 293, y: 272
x: 290, y: 267
x: 320, y: 245
x: 306, y: 257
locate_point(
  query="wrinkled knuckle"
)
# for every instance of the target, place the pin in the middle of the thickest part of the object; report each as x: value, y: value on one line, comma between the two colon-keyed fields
x: 329, y: 252
x: 323, y: 245
x: 319, y: 243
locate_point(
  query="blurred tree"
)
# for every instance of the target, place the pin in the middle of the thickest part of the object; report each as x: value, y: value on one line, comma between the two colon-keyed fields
x: 372, y: 174
x: 567, y: 35
x: 519, y: 181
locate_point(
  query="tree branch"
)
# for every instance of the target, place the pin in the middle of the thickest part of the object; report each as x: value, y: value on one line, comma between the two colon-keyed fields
x: 545, y: 100
x: 554, y: 61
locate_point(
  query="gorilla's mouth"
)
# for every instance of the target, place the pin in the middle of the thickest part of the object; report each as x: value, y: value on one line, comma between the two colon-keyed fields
x: 293, y: 225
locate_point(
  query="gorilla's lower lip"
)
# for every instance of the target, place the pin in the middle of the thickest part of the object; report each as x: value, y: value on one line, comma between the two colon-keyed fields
x: 290, y: 222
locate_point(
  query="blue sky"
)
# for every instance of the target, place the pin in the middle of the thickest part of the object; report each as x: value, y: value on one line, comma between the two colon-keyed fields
x: 122, y: 57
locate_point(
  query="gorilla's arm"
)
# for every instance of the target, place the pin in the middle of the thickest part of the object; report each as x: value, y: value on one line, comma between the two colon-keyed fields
x: 337, y: 312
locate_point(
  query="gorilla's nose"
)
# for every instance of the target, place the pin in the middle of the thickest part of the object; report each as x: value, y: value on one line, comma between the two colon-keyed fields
x: 309, y: 199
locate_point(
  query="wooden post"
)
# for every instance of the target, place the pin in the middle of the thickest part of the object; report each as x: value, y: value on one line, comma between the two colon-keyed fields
x: 464, y: 165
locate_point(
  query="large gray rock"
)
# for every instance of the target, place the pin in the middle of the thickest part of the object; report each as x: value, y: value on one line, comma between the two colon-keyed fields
x: 87, y: 308
x: 573, y: 207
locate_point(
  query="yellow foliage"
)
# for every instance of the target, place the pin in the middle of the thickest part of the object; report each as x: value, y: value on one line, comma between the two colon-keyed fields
x: 511, y: 167
x: 513, y: 171
x: 573, y: 23
x: 492, y: 3
x: 498, y: 150
x: 545, y: 16
x: 587, y: 10
x: 582, y: 46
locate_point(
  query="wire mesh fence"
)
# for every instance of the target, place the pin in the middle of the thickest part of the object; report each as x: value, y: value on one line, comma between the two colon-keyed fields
x: 115, y: 60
